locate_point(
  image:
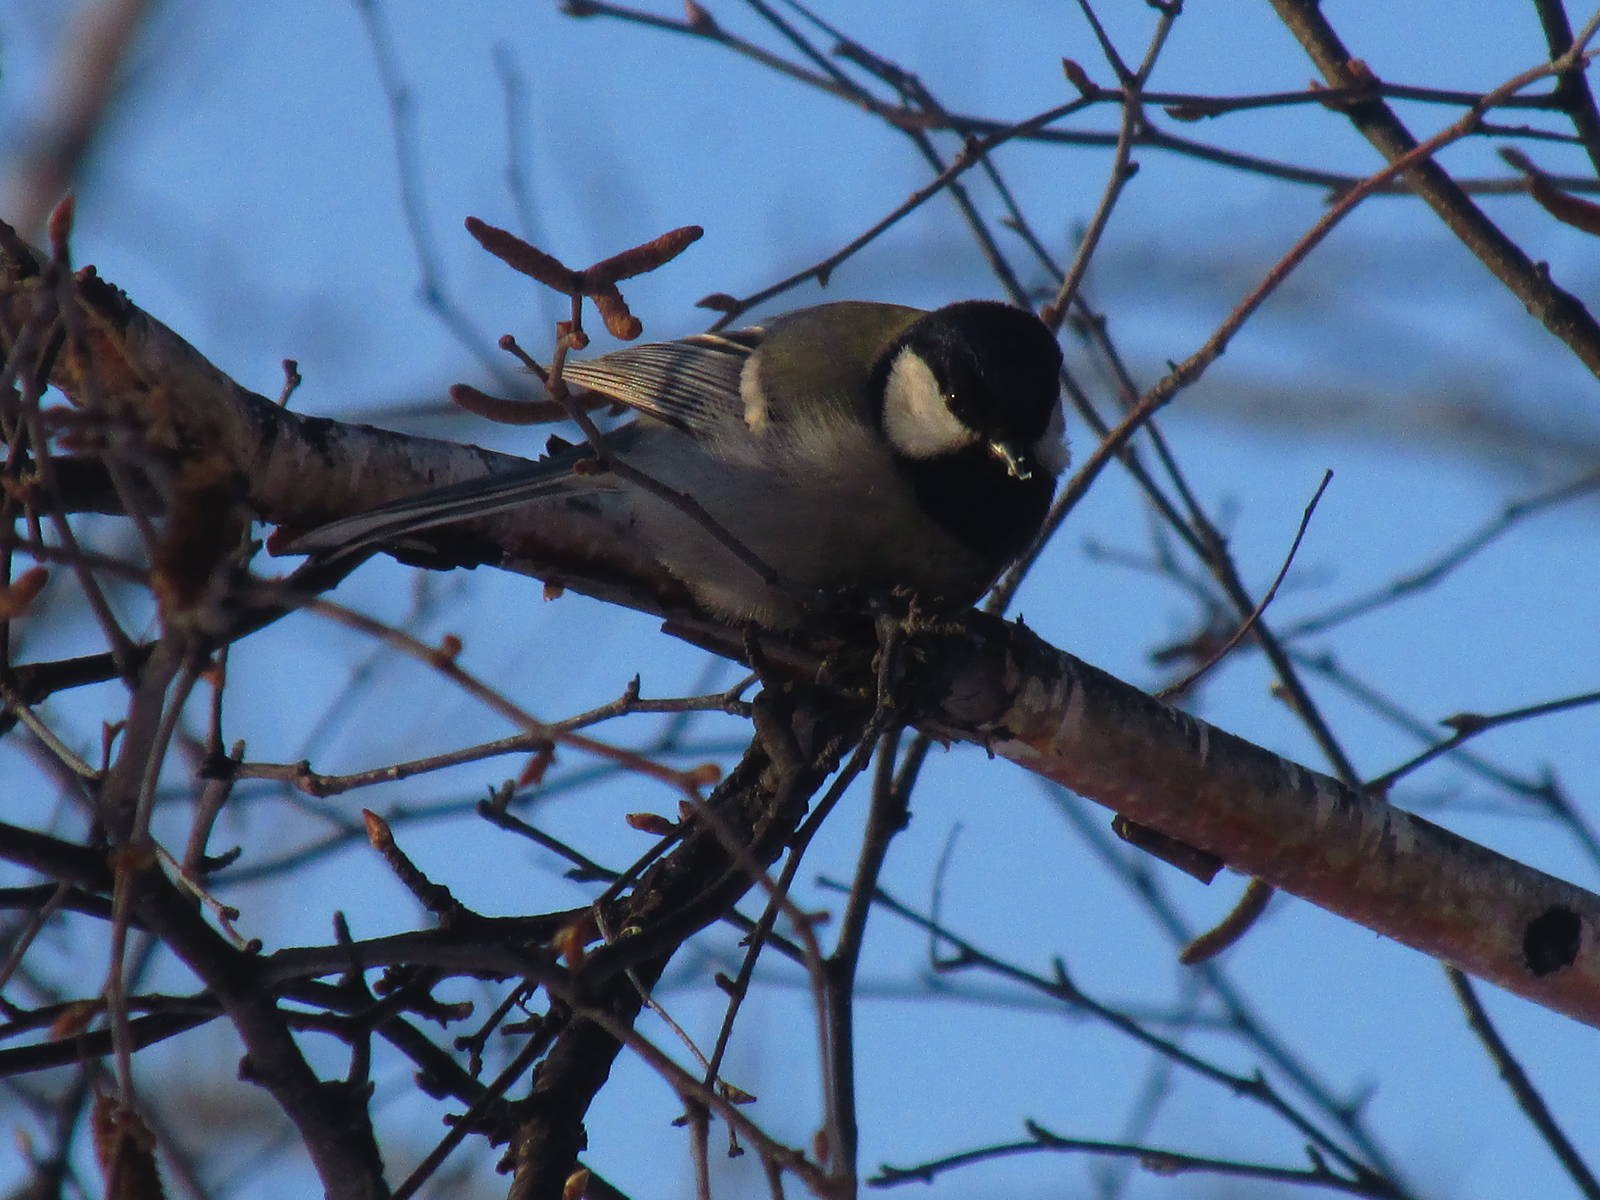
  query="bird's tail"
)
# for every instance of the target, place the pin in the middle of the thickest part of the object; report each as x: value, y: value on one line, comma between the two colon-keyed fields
x: 441, y: 506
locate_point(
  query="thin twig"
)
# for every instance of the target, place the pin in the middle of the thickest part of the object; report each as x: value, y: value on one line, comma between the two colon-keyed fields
x: 1470, y: 725
x: 1155, y: 1160
x: 442, y: 659
x: 1239, y: 634
x: 1426, y: 576
x: 1521, y: 1087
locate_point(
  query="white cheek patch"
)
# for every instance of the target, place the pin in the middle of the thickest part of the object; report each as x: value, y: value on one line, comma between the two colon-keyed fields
x: 1051, y: 451
x: 916, y: 418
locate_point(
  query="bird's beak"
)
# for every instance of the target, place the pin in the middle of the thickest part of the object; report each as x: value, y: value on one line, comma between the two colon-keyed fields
x: 1016, y: 463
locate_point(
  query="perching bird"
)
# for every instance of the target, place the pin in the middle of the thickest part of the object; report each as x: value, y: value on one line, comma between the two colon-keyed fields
x: 851, y: 449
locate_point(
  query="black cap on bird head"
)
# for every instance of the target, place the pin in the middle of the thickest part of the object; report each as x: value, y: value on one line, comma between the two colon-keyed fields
x: 1000, y: 366
x: 977, y: 372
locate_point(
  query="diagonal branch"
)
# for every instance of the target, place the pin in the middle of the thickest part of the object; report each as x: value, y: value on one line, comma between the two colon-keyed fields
x: 1005, y: 688
x: 1560, y: 312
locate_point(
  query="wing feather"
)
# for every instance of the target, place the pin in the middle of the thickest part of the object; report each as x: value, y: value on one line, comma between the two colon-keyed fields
x: 692, y: 384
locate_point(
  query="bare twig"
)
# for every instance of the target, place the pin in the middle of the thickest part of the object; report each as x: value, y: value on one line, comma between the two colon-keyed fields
x: 442, y: 659
x: 1438, y: 568
x: 1060, y: 987
x: 1560, y: 312
x: 87, y: 82
x: 1470, y: 725
x: 1239, y: 634
x: 1521, y: 1087
x: 1157, y: 1161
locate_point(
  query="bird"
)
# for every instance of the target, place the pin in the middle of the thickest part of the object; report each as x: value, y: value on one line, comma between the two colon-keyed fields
x: 835, y: 453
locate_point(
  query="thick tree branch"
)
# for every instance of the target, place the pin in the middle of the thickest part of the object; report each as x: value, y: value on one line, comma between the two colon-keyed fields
x: 292, y: 471
x: 1304, y: 832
